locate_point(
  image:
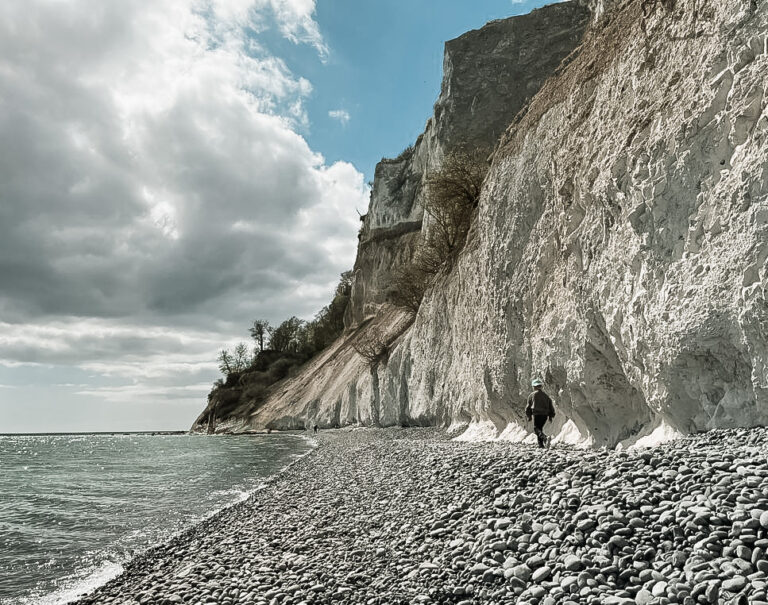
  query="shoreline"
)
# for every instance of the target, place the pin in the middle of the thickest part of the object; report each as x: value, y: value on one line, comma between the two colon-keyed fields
x: 94, y: 583
x: 194, y: 494
x: 407, y: 516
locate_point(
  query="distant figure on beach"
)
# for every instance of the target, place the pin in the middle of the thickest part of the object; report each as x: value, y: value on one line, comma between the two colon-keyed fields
x: 316, y: 427
x: 539, y: 408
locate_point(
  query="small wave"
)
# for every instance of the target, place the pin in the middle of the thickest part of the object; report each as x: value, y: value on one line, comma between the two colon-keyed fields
x: 74, y: 587
x: 231, y: 496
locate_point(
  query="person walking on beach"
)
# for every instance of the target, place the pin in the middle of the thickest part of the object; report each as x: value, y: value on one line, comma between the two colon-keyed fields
x: 316, y: 427
x: 541, y: 409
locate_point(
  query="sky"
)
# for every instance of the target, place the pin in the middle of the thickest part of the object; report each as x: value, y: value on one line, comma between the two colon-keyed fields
x: 172, y: 170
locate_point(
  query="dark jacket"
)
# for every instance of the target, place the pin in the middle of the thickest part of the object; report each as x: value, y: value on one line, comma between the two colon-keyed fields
x: 539, y: 404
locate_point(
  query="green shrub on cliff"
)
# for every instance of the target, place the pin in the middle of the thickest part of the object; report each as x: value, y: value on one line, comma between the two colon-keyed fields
x: 295, y: 335
x: 329, y: 321
x: 279, y: 351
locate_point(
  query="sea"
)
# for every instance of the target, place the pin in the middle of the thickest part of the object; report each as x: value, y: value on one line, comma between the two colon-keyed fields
x: 74, y: 509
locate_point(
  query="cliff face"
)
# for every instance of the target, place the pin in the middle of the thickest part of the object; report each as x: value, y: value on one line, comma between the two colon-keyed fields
x: 621, y: 245
x: 620, y: 249
x: 488, y: 76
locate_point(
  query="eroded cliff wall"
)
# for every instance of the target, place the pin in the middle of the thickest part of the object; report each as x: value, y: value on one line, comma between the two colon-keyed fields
x: 620, y: 251
x: 621, y: 245
x: 489, y: 75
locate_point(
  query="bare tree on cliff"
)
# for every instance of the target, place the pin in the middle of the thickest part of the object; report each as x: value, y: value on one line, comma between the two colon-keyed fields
x: 259, y: 331
x: 408, y: 286
x: 236, y: 361
x: 242, y: 356
x: 452, y: 194
x: 226, y: 363
x: 372, y: 346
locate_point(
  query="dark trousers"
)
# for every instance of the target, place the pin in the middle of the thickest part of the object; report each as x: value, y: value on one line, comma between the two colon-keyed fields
x: 538, y: 428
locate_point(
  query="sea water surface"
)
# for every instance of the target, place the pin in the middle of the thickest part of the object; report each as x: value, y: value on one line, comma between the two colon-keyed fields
x: 75, y: 508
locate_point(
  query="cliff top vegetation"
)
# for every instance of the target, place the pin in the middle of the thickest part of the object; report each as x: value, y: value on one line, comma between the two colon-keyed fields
x: 278, y: 351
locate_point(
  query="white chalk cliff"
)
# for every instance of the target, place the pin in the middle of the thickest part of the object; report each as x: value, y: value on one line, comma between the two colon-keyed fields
x: 620, y: 248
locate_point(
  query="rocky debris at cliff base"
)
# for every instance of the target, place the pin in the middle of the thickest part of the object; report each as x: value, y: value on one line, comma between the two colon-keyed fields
x: 406, y: 516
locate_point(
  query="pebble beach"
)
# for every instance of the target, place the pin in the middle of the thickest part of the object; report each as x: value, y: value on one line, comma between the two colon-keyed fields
x: 409, y: 516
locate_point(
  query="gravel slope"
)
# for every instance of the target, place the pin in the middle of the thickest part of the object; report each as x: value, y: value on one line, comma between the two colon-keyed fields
x: 406, y: 516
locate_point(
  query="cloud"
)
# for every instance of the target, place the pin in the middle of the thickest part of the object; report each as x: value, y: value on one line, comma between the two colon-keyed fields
x: 107, y: 342
x: 296, y: 22
x: 156, y: 193
x: 142, y: 141
x: 131, y: 393
x: 341, y: 115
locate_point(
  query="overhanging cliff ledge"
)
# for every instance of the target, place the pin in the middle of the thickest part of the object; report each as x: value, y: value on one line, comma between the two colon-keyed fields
x: 619, y: 249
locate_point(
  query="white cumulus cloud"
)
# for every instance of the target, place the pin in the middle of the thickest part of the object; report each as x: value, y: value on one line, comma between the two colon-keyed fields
x: 297, y: 23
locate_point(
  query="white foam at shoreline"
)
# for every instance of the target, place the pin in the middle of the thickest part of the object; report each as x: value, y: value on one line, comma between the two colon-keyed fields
x: 74, y: 588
